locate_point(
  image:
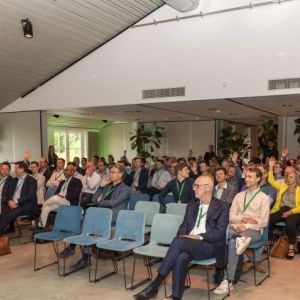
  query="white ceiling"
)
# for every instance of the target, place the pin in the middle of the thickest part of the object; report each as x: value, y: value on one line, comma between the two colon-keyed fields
x: 252, y: 111
x: 63, y: 32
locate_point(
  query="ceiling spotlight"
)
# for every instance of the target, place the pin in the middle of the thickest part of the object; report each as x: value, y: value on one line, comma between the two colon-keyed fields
x: 287, y: 105
x: 27, y: 28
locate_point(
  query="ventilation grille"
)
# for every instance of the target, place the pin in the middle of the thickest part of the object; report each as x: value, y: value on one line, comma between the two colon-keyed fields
x: 162, y: 93
x: 279, y: 84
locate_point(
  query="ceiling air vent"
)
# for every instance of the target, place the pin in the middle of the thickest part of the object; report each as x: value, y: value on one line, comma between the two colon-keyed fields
x: 162, y: 93
x: 279, y: 84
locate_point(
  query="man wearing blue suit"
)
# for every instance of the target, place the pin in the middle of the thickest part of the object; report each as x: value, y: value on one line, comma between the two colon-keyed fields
x: 202, y: 235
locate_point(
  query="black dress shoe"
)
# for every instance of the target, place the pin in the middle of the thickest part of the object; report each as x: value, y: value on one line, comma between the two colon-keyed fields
x: 146, y: 294
x: 82, y: 263
x: 67, y: 252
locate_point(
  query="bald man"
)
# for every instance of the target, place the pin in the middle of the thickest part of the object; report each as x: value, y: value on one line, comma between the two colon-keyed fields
x: 67, y: 193
x: 202, y: 235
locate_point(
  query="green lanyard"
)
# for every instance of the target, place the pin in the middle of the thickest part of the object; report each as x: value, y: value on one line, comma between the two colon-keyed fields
x: 110, y: 190
x: 180, y: 187
x: 246, y: 205
x: 200, y: 217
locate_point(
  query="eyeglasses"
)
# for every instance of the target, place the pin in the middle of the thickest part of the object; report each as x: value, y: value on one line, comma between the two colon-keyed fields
x: 197, y: 186
x: 113, y: 172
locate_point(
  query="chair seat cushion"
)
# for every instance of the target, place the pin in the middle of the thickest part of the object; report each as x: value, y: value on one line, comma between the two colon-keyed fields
x: 204, y: 262
x: 84, y: 240
x: 117, y: 245
x: 52, y: 235
x: 152, y: 250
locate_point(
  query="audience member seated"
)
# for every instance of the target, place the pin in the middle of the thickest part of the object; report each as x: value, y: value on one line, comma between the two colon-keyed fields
x: 269, y: 149
x: 197, y: 238
x: 90, y: 182
x: 83, y: 162
x: 249, y: 215
x: 40, y: 179
x: 55, y: 179
x: 102, y: 170
x: 19, y: 198
x: 138, y: 177
x: 181, y: 187
x: 95, y: 161
x: 287, y: 206
x: 43, y: 169
x: 110, y: 161
x: 67, y: 193
x: 6, y: 188
x: 80, y: 170
x: 223, y: 190
x: 278, y: 172
x: 159, y: 179
x: 113, y: 194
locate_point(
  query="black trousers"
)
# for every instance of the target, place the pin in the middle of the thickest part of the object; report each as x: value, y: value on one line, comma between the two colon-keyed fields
x: 181, y: 252
x: 291, y: 222
x: 153, y: 191
x: 86, y: 198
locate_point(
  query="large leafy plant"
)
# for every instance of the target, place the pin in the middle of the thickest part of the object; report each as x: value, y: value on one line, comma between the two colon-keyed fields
x: 230, y: 141
x: 269, y: 132
x: 145, y: 140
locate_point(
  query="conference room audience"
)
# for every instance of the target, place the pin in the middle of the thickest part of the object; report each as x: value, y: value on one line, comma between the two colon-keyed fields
x: 181, y: 187
x: 52, y: 158
x: 67, y: 193
x: 44, y: 169
x: 287, y: 206
x: 40, y: 179
x: 19, y: 198
x: 55, y: 179
x: 223, y: 190
x: 90, y: 182
x: 159, y: 179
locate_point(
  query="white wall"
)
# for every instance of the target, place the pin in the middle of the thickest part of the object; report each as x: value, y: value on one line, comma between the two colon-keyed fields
x: 19, y: 132
x: 219, y: 56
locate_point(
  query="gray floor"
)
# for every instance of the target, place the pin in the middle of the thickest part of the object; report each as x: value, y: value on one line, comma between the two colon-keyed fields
x: 18, y: 281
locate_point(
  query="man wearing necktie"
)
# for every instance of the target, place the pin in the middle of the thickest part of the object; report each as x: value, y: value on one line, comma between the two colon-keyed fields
x: 202, y: 235
x: 20, y: 199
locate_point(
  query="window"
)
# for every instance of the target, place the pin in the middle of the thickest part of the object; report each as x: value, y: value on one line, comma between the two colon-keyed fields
x: 69, y: 143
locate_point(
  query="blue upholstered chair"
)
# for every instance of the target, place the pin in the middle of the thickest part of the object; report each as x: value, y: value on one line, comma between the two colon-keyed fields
x: 136, y: 197
x: 96, y: 227
x: 164, y: 229
x: 176, y: 209
x: 129, y: 234
x: 257, y: 245
x: 150, y: 209
x: 67, y: 223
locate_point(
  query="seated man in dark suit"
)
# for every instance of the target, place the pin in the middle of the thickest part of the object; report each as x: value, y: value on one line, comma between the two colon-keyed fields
x: 202, y: 235
x: 67, y: 193
x: 19, y: 198
x: 138, y: 178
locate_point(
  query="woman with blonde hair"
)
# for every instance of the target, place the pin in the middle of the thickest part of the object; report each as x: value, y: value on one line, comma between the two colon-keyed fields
x: 287, y: 206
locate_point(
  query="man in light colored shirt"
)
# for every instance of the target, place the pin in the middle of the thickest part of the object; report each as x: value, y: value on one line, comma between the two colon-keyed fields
x: 55, y: 179
x: 40, y: 179
x: 249, y: 215
x: 102, y: 170
x: 90, y: 183
x: 159, y: 180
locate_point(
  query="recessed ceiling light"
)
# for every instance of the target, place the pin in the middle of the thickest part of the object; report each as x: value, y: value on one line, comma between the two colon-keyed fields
x: 287, y: 105
x: 218, y: 111
x: 197, y: 118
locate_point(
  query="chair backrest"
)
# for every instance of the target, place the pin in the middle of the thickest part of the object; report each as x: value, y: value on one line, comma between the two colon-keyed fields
x: 176, y: 208
x: 149, y: 208
x: 136, y: 197
x: 164, y: 228
x: 68, y: 219
x: 169, y: 198
x: 97, y: 221
x: 130, y: 226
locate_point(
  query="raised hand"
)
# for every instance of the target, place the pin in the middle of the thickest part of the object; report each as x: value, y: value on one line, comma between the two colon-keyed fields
x: 272, y: 162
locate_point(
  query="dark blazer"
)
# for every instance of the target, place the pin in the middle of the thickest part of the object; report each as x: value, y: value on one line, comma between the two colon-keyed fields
x: 7, y: 191
x: 229, y: 193
x: 27, y: 202
x: 73, y: 190
x: 143, y: 180
x: 118, y: 199
x: 47, y: 174
x: 217, y: 220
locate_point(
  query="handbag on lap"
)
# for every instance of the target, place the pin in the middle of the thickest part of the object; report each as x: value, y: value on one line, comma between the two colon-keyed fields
x: 280, y: 248
x: 4, y: 245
